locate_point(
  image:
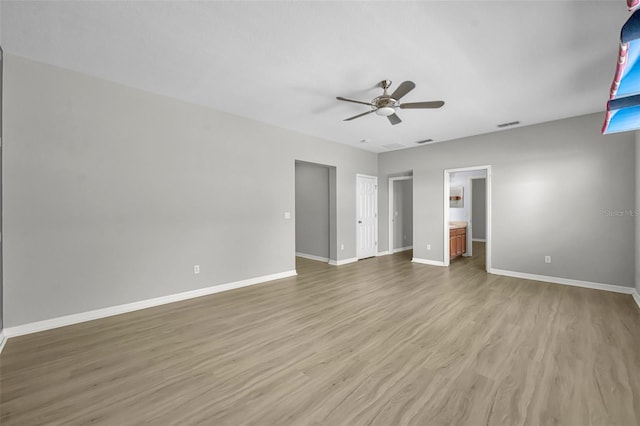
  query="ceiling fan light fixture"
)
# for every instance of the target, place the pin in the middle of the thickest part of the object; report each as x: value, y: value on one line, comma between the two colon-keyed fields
x: 386, y: 104
x: 385, y: 111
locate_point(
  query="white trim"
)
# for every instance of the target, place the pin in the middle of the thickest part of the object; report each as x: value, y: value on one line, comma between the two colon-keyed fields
x: 398, y: 250
x: 391, y: 209
x: 636, y: 297
x: 445, y: 225
x: 35, y: 327
x: 447, y: 217
x: 564, y: 281
x: 383, y: 253
x: 467, y: 239
x: 312, y: 257
x: 479, y: 240
x: 343, y: 261
x: 3, y: 340
x: 428, y: 262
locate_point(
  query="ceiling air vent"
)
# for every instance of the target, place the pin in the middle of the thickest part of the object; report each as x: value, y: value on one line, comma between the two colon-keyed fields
x: 512, y: 123
x: 393, y: 146
x: 424, y: 141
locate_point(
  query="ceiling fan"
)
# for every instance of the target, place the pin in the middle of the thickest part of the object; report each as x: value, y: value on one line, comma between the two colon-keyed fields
x: 386, y: 105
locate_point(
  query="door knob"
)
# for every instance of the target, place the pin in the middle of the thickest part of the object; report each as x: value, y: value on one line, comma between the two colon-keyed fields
x: 359, y: 221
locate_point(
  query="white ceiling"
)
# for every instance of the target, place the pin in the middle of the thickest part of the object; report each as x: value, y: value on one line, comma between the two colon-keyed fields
x: 284, y: 63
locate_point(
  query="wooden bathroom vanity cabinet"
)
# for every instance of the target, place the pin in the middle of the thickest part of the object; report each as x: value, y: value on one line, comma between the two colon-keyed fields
x: 457, y: 241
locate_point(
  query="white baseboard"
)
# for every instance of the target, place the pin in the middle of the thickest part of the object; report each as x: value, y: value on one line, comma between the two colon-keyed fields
x: 35, y: 327
x: 3, y: 340
x: 564, y: 281
x: 312, y: 257
x: 343, y: 261
x: 427, y: 261
x: 398, y: 250
x: 383, y: 253
x: 636, y: 297
x: 479, y: 240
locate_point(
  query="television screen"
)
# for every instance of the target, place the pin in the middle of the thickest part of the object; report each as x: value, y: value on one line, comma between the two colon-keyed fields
x: 623, y: 107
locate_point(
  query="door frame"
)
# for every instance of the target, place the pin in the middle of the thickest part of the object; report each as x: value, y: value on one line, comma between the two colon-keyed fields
x: 445, y: 225
x: 391, y: 209
x: 375, y: 222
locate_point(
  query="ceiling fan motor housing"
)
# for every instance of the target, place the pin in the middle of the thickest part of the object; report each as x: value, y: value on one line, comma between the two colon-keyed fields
x: 384, y: 105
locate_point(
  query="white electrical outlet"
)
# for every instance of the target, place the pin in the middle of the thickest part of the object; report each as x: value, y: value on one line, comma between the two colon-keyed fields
x: 341, y: 246
x: 196, y: 269
x: 428, y: 246
x: 547, y: 259
x: 287, y: 215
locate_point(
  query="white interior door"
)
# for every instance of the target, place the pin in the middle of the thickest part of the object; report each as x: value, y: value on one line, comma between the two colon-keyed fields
x: 366, y: 216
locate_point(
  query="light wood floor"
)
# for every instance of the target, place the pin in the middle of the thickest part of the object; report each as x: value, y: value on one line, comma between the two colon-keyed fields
x: 381, y: 341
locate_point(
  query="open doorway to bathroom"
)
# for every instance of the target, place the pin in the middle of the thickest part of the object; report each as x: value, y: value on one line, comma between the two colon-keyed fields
x: 461, y: 225
x: 400, y: 213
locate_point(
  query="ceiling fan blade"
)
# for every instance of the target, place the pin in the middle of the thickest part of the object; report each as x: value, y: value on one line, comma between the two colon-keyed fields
x: 415, y: 105
x: 404, y: 88
x: 340, y: 98
x: 394, y: 119
x: 358, y: 116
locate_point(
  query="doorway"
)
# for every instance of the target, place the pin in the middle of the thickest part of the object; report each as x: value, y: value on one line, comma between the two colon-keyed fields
x: 400, y: 214
x: 463, y: 211
x: 315, y: 211
x: 366, y: 216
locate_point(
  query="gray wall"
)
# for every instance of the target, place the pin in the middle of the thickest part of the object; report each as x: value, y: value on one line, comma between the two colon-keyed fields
x: 462, y: 179
x: 479, y: 208
x: 112, y: 194
x: 403, y: 204
x: 637, y: 212
x: 312, y: 209
x: 1, y: 210
x: 556, y: 189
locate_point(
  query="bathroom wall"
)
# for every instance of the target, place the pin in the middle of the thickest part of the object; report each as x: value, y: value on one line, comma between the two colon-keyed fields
x: 462, y: 179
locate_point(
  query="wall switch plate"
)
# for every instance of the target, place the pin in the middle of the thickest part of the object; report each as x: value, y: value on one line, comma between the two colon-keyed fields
x: 287, y: 215
x: 428, y: 246
x: 547, y: 259
x: 196, y: 269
